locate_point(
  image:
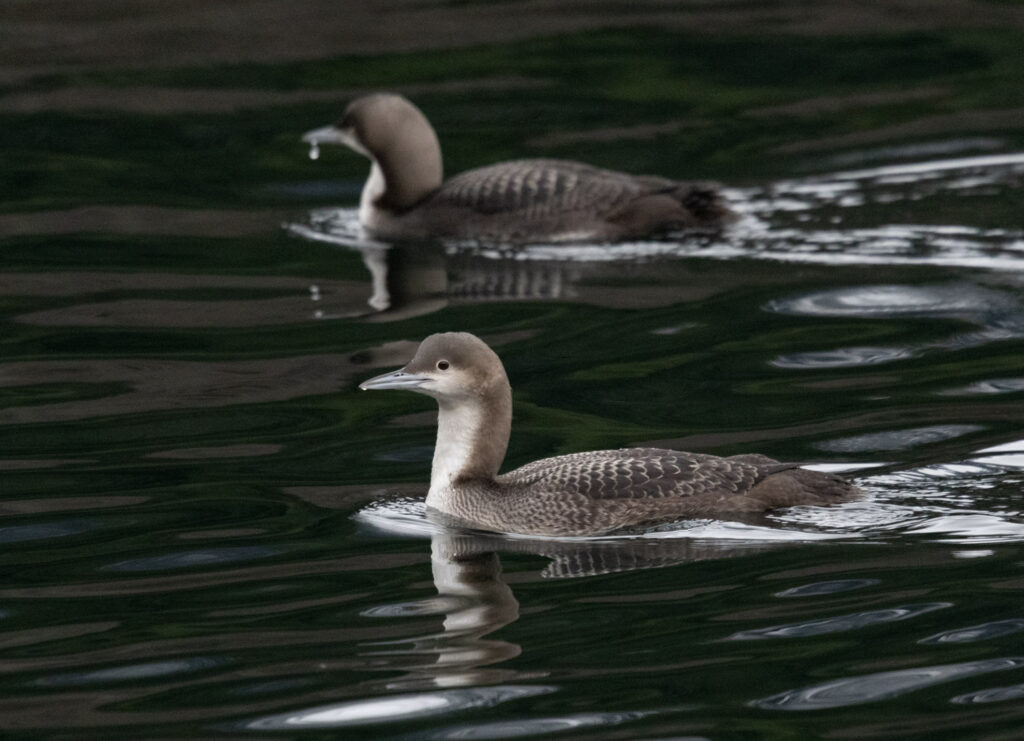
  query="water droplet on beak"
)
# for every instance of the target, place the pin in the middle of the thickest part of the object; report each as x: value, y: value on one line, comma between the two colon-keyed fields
x: 314, y: 150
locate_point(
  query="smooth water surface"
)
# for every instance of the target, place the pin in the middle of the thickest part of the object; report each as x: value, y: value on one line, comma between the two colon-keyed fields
x: 207, y: 531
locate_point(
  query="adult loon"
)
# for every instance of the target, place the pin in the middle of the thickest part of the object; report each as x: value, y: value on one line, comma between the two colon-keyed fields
x: 582, y: 493
x: 517, y: 202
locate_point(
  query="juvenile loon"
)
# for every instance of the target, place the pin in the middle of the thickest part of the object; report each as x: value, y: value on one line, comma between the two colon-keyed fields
x: 582, y: 493
x: 523, y: 201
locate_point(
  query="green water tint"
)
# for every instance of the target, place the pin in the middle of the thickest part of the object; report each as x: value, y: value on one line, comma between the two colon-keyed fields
x: 176, y: 573
x: 207, y: 531
x: 743, y: 107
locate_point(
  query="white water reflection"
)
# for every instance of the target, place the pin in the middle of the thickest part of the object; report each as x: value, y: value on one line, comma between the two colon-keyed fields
x: 46, y: 530
x: 395, y: 708
x: 839, y: 623
x: 132, y: 672
x: 955, y: 300
x: 881, y: 686
x: 521, y: 728
x: 974, y: 528
x: 896, y: 439
x: 993, y: 694
x: 804, y: 219
x: 987, y: 386
x: 198, y: 558
x: 975, y: 633
x: 796, y: 220
x: 998, y: 316
x: 835, y: 586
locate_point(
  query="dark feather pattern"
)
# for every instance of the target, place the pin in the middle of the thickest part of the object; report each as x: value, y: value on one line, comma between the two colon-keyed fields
x: 640, y: 473
x: 561, y: 198
x: 606, y: 490
x: 541, y: 188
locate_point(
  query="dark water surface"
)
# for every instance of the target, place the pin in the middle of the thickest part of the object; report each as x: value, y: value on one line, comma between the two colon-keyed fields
x: 207, y: 531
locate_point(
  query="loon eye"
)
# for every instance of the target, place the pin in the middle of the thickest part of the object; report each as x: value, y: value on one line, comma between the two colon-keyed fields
x: 442, y: 364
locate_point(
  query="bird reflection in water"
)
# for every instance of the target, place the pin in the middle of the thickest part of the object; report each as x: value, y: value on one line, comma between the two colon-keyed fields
x: 476, y: 600
x: 413, y: 279
x: 409, y: 279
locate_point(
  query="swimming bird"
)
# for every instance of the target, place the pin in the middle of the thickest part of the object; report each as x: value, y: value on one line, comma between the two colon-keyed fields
x: 588, y: 493
x: 517, y: 202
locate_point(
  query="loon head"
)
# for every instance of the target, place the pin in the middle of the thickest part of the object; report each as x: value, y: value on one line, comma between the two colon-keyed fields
x: 452, y: 367
x: 397, y: 137
x: 474, y: 403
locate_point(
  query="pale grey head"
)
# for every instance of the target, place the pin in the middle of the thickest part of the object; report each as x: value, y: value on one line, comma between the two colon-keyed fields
x: 474, y: 400
x: 451, y: 367
x: 400, y: 142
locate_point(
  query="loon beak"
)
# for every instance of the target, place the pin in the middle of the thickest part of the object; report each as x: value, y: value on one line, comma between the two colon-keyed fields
x: 398, y: 379
x: 324, y: 135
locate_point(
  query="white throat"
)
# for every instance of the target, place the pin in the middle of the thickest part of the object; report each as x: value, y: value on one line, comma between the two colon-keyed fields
x: 458, y: 429
x: 372, y: 191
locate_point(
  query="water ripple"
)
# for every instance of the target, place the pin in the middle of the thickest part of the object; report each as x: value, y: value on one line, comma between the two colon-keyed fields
x: 194, y: 558
x: 972, y: 528
x: 45, y: 530
x: 845, y: 357
x: 440, y: 605
x: 993, y: 694
x: 875, y: 301
x: 983, y: 632
x: 997, y: 315
x: 881, y: 686
x: 827, y: 587
x: 395, y: 708
x: 528, y: 726
x: 132, y: 672
x: 896, y: 439
x: 839, y: 623
x: 987, y: 386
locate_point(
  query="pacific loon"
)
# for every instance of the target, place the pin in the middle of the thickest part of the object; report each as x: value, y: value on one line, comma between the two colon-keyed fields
x: 587, y: 493
x: 518, y: 202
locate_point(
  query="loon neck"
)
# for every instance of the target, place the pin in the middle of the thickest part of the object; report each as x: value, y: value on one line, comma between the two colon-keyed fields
x: 405, y: 172
x: 472, y: 437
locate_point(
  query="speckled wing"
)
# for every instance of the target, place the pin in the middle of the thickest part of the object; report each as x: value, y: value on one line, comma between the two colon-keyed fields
x: 541, y: 188
x: 644, y: 473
